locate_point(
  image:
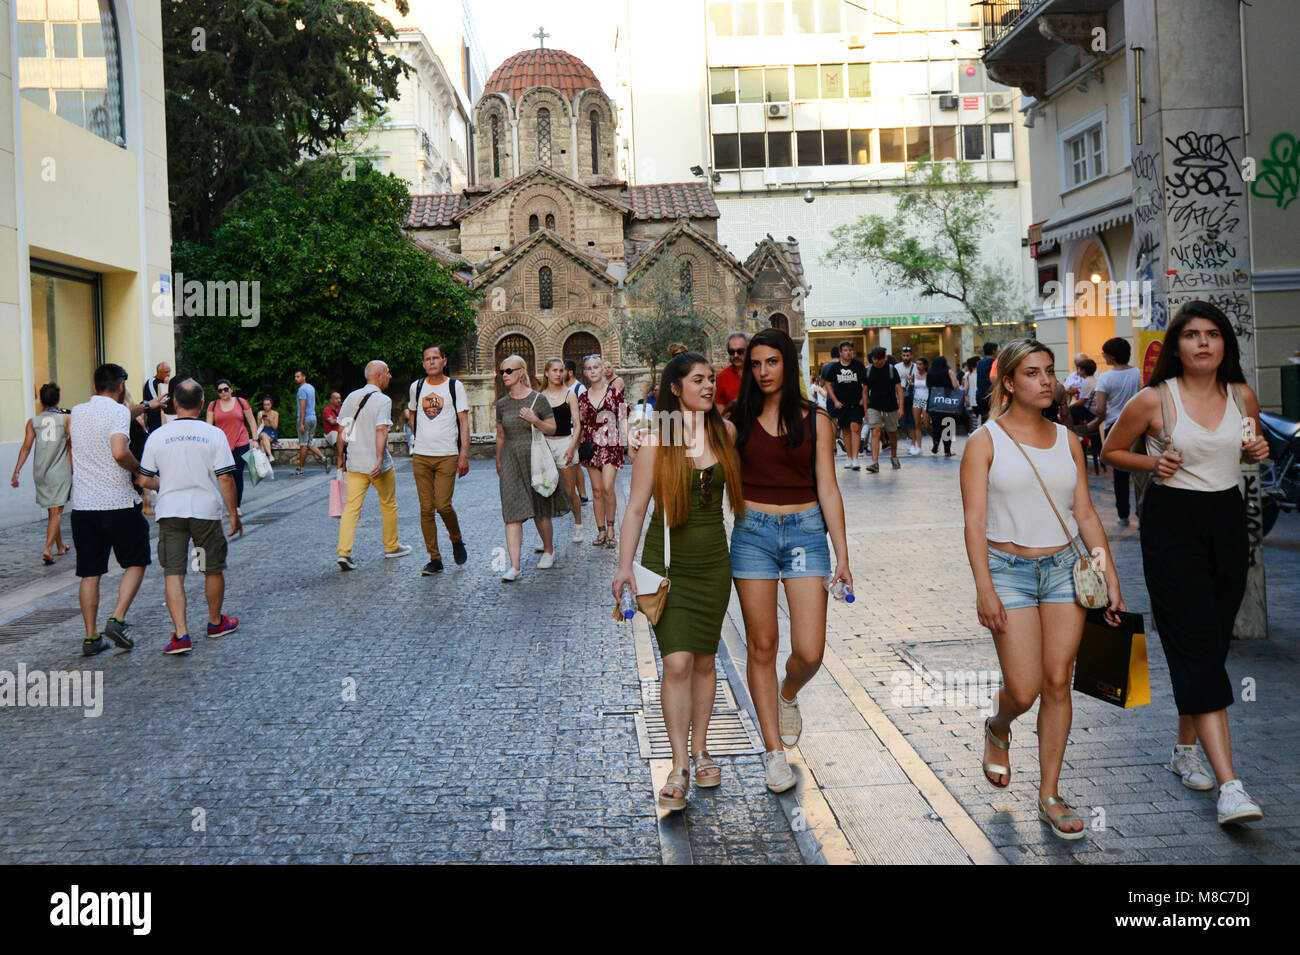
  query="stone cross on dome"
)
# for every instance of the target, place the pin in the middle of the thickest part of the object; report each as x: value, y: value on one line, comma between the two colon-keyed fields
x: 541, y: 35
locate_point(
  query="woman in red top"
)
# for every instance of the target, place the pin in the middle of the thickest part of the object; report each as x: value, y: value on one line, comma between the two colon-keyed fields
x: 601, y: 409
x: 235, y: 419
x: 789, y: 506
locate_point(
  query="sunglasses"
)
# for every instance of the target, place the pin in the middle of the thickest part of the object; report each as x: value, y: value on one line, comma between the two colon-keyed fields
x: 223, y: 391
x: 589, y: 357
x: 507, y: 371
x: 706, y: 492
x: 735, y: 351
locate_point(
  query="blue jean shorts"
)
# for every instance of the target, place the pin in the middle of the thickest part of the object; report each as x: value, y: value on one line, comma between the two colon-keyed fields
x: 776, y: 546
x: 1030, y: 581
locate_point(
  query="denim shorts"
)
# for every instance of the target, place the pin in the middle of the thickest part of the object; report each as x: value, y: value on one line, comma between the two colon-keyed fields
x: 1030, y: 581
x: 776, y: 546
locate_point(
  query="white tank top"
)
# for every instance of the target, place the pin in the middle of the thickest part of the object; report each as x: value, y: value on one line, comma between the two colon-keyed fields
x: 1211, y: 459
x: 1018, y: 512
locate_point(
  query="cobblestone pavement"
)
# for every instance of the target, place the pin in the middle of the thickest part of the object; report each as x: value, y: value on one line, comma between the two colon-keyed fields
x: 370, y: 716
x: 383, y: 716
x: 916, y: 609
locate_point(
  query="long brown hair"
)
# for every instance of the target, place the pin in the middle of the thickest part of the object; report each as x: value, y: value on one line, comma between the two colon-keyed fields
x: 672, y: 480
x: 1170, y: 365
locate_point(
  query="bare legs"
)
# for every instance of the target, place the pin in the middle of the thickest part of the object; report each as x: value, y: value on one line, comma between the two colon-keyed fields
x: 88, y: 597
x: 854, y: 444
x: 214, y: 589
x: 1212, y: 730
x: 603, y: 499
x: 689, y: 686
x: 54, y: 534
x: 570, y: 477
x: 807, y: 599
x: 515, y: 538
x: 1036, y: 653
x: 875, y: 444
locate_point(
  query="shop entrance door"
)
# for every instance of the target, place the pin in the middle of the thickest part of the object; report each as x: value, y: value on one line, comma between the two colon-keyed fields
x: 66, y: 340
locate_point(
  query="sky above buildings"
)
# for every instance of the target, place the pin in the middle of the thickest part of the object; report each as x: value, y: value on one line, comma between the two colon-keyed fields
x: 584, y: 29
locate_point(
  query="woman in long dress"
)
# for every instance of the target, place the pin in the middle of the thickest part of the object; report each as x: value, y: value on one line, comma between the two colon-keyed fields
x: 518, y: 412
x: 47, y: 431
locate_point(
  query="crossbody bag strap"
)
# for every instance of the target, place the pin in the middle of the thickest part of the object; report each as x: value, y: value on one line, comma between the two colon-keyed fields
x: 667, y: 544
x: 1046, y: 494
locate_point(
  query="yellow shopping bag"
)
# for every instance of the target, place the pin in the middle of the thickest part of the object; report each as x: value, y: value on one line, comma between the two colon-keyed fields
x: 1112, y: 661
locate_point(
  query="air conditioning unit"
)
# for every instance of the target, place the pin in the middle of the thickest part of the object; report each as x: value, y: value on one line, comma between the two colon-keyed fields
x: 778, y: 110
x: 999, y: 101
x: 948, y: 103
x: 856, y: 42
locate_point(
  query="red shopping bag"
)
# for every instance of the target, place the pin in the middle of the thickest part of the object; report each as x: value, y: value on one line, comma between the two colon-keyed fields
x: 338, y: 495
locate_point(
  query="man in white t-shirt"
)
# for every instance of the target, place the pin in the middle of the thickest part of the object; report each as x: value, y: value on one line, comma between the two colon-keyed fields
x: 437, y: 410
x: 188, y: 462
x: 365, y: 417
x: 1114, y: 390
x: 907, y: 369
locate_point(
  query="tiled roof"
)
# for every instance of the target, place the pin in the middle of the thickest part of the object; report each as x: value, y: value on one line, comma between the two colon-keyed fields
x: 541, y: 67
x: 633, y: 249
x: 789, y: 251
x: 673, y: 200
x: 433, y: 210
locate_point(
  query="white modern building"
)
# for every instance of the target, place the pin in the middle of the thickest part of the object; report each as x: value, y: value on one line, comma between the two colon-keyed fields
x: 803, y: 115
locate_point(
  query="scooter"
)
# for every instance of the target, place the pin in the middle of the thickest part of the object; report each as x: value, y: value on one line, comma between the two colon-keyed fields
x: 1279, y: 476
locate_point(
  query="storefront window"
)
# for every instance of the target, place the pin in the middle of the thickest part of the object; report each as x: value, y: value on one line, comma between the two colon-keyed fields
x: 73, y: 68
x: 65, y: 332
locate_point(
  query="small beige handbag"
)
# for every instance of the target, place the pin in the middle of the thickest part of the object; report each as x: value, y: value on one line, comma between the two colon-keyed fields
x: 1089, y: 581
x: 651, y: 588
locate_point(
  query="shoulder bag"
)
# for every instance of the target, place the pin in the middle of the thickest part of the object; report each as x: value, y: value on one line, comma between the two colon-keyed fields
x: 545, y: 476
x: 651, y: 588
x: 1089, y: 581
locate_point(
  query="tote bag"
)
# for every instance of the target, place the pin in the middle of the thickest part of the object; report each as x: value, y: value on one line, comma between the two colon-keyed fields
x: 945, y: 401
x: 1112, y: 662
x: 546, y: 476
x: 338, y: 494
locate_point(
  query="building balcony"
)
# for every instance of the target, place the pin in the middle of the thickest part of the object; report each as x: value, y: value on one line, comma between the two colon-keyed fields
x: 1019, y: 35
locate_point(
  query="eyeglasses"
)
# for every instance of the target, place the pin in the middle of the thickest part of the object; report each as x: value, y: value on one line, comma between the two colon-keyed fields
x: 735, y: 351
x: 706, y: 493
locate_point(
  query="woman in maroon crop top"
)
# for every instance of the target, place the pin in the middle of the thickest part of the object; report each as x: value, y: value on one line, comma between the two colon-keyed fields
x: 789, y: 505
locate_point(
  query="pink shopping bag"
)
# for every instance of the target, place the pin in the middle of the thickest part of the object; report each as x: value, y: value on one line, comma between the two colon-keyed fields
x: 338, y: 495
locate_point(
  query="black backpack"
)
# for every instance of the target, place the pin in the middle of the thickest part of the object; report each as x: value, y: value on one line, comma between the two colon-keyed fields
x: 451, y: 386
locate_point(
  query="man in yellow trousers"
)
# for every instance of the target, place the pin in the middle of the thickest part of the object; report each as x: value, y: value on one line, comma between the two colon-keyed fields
x: 365, y: 418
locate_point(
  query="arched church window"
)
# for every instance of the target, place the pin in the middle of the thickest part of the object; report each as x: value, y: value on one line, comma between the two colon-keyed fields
x: 532, y: 224
x: 544, y: 136
x: 496, y: 147
x: 595, y: 142
x: 550, y: 220
x: 686, y: 279
x: 545, y: 288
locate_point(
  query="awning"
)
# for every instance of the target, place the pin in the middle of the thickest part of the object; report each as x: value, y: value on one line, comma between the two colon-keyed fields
x: 1095, y: 216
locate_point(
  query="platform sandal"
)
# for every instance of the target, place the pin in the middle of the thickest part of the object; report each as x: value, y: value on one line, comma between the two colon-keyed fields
x: 683, y: 784
x: 704, y: 763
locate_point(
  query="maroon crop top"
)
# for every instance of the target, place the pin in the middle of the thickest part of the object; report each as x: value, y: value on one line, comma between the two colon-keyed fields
x: 773, y: 473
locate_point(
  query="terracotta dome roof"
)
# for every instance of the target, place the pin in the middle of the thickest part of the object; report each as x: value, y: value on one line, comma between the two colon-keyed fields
x: 541, y: 67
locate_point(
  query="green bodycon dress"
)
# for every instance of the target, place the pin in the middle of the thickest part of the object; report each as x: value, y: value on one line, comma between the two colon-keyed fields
x: 700, y: 571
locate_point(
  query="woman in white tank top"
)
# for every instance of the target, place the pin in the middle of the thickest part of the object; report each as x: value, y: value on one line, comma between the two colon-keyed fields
x: 1023, y: 563
x: 1195, y: 552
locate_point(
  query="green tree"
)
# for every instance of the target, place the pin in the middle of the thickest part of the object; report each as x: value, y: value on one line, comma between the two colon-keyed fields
x: 662, y: 311
x: 339, y: 284
x: 933, y: 243
x: 254, y: 87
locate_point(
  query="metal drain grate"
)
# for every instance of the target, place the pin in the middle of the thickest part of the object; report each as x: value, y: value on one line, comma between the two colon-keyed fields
x: 731, y: 732
x: 38, y: 621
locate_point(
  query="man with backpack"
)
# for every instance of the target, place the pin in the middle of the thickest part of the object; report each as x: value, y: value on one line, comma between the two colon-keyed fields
x: 438, y: 414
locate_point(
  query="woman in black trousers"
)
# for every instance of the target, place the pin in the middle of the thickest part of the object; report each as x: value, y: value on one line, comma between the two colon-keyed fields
x: 938, y: 378
x: 1194, y: 545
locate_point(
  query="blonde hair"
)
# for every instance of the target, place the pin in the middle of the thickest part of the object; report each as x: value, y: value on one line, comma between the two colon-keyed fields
x: 1008, y: 360
x: 546, y: 367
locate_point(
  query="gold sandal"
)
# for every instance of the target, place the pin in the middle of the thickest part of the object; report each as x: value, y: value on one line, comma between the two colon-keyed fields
x: 994, y: 768
x: 1055, y: 821
x: 671, y: 803
x: 703, y: 761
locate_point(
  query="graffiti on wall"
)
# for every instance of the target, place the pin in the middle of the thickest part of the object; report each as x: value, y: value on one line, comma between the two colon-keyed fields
x: 1279, y: 175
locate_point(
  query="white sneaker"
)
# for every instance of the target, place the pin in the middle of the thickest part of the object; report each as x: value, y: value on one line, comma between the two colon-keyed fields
x: 1187, y: 764
x: 578, y: 534
x: 511, y: 574
x: 401, y: 551
x: 791, y: 721
x: 913, y: 451
x: 779, y: 776
x: 1235, y: 805
x: 539, y: 549
x: 547, y: 561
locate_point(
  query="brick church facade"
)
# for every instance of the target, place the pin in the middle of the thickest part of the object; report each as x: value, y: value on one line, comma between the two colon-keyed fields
x: 554, y: 239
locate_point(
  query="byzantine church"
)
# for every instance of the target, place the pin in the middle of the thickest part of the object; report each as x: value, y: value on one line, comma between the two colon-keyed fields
x: 557, y: 242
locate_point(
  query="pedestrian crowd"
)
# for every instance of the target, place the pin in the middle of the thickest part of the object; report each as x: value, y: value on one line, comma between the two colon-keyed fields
x: 763, y: 438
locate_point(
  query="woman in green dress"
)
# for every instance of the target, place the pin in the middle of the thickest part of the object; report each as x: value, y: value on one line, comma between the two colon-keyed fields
x: 685, y: 465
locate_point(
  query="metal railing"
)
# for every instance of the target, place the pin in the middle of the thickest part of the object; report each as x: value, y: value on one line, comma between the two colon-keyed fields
x: 1002, y: 16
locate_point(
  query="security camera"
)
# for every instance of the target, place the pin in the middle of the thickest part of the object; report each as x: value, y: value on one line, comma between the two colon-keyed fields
x: 808, y: 196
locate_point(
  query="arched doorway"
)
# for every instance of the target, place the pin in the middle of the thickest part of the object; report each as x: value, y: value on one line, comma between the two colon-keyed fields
x: 578, y: 346
x: 1092, y: 319
x: 780, y: 321
x: 515, y: 345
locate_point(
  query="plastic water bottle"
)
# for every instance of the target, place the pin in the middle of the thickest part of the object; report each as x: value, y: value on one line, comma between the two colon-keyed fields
x: 838, y: 589
x: 627, y: 603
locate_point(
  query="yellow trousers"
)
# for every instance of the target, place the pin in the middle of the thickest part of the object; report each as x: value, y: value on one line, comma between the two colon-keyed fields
x: 358, y: 484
